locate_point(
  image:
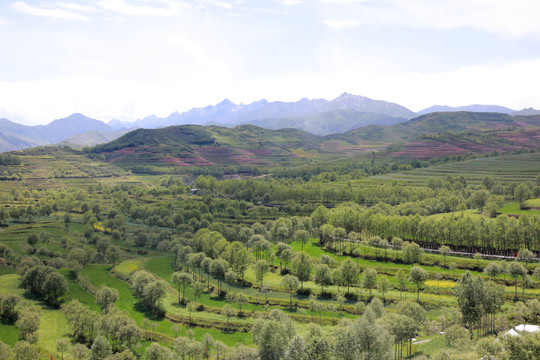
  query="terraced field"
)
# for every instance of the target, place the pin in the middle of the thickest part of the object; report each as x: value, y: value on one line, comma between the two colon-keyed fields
x: 504, y: 169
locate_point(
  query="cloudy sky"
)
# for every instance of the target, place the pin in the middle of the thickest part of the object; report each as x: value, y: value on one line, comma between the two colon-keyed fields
x: 127, y: 59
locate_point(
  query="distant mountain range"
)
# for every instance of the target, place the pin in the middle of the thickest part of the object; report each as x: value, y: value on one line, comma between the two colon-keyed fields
x: 317, y: 116
x: 15, y: 136
x: 304, y: 114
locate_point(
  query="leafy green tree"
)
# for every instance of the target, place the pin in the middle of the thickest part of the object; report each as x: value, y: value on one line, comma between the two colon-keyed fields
x: 62, y: 345
x: 470, y: 294
x: 26, y: 351
x: 302, y: 236
x: 228, y: 311
x: 522, y: 193
x: 101, y: 349
x: 261, y: 268
x: 515, y: 270
x: 198, y: 289
x: 28, y: 323
x: 417, y: 276
x: 5, y: 351
x: 302, y: 266
x: 493, y: 269
x: 296, y: 349
x: 158, y: 352
x: 383, y: 285
x: 369, y: 279
x: 191, y: 307
x: 323, y: 276
x: 181, y: 280
x: 238, y: 257
x: 80, y: 352
x: 444, y: 251
x: 412, y: 253
x: 349, y: 273
x: 290, y: 283
x: 401, y: 283
x: 106, y: 297
x: 272, y: 336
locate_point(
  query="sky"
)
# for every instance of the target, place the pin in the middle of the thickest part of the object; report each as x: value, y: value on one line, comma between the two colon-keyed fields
x: 127, y: 59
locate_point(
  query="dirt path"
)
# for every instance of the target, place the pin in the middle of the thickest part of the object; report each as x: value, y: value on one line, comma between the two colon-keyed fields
x: 421, y: 342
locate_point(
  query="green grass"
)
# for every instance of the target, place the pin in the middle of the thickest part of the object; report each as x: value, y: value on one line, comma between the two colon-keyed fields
x: 99, y: 274
x: 513, y: 208
x: 53, y: 324
x: 76, y: 291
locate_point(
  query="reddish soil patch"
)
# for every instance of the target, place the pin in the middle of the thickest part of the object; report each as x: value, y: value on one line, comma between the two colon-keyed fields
x: 529, y: 139
x: 176, y: 161
x: 223, y: 155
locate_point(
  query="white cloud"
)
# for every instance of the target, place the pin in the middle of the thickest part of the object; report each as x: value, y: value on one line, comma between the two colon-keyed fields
x: 506, y: 18
x: 341, y: 24
x: 171, y: 8
x: 54, y: 13
x: 104, y: 98
x: 290, y: 2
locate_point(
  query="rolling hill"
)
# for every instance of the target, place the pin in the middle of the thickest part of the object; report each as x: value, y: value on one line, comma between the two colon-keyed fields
x: 469, y: 108
x: 431, y: 135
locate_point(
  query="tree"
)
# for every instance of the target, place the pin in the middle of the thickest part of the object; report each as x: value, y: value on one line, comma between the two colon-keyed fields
x: 101, y: 349
x: 231, y: 278
x: 80, y: 352
x: 302, y: 236
x: 349, y: 273
x: 228, y: 311
x: 238, y: 257
x: 323, y: 276
x: 241, y: 299
x: 158, y: 352
x: 198, y: 289
x: 62, y: 345
x: 444, y: 251
x: 369, y: 279
x: 272, y: 336
x: 286, y: 256
x: 26, y: 351
x: 106, y: 297
x: 412, y: 253
x: 182, y: 280
x: 261, y: 268
x: 493, y: 269
x: 296, y: 349
x: 417, y: 276
x: 515, y: 270
x: 383, y: 285
x: 153, y: 293
x: 28, y: 323
x: 290, y: 282
x: 218, y: 268
x: 32, y: 239
x: 526, y: 256
x: 522, y: 193
x: 220, y: 348
x: 5, y: 351
x: 470, y: 297
x: 67, y: 221
x: 191, y: 307
x: 208, y: 342
x: 302, y: 266
x: 402, y: 283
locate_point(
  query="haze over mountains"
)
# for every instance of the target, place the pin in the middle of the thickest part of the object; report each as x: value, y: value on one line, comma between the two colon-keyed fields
x: 316, y: 116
